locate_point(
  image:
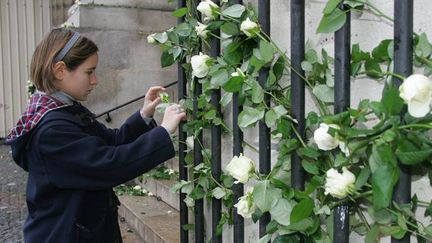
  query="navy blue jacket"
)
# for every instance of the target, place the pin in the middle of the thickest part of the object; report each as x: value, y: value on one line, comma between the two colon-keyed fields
x: 73, y: 162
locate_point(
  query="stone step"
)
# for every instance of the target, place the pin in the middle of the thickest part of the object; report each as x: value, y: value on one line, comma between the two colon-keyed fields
x: 153, y: 220
x: 162, y: 189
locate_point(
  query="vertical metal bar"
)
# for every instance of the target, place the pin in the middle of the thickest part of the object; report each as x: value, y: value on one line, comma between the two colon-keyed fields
x: 198, y: 156
x: 264, y: 131
x: 342, y: 102
x: 403, y: 59
x: 216, y: 142
x: 297, y: 85
x: 238, y: 190
x: 183, y: 175
x: 198, y: 159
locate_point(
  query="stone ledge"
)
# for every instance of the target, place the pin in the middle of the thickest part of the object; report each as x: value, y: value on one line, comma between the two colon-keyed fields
x: 153, y: 220
x: 162, y: 189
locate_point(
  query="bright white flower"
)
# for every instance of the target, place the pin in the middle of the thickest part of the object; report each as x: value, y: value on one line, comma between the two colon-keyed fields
x: 245, y: 205
x: 206, y: 8
x: 416, y: 91
x: 199, y: 65
x: 249, y: 27
x: 138, y: 188
x: 235, y: 74
x: 201, y: 30
x: 323, y: 139
x: 170, y: 171
x: 151, y: 39
x: 144, y: 191
x: 190, y: 142
x: 339, y: 185
x: 241, y: 168
x: 150, y: 194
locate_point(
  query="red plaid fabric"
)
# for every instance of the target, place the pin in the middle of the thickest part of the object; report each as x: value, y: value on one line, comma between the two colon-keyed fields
x: 39, y: 105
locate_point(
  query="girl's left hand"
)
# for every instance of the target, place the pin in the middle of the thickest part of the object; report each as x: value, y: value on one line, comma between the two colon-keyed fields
x: 151, y: 100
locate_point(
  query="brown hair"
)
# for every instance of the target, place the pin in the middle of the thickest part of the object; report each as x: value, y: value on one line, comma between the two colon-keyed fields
x: 41, y: 68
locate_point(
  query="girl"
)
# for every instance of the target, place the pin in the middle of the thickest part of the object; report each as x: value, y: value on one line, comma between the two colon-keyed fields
x: 73, y: 160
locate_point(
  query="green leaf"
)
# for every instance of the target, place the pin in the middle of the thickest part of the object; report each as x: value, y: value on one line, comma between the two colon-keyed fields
x: 234, y: 84
x: 226, y: 99
x: 331, y: 6
x: 380, y: 53
x: 218, y: 193
x: 167, y: 59
x: 161, y: 37
x: 183, y: 29
x: 249, y: 116
x: 234, y: 11
x: 308, y: 152
x: 265, y: 195
x: 265, y: 238
x: 257, y: 92
x: 233, y: 53
x: 281, y: 212
x: 383, y: 180
x: 373, y: 69
x: 311, y: 56
x: 324, y: 93
x: 219, y: 78
x: 395, y: 231
x: 373, y: 235
x: 332, y: 22
x: 391, y: 100
x: 310, y: 167
x: 180, y: 12
x: 302, y: 210
x: 408, y: 153
x: 306, y: 66
x: 230, y: 28
x: 362, y: 178
x: 270, y: 118
x: 266, y: 50
x: 428, y: 211
x: 423, y: 47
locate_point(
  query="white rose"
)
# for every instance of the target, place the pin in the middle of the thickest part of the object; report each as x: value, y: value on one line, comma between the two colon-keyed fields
x: 249, y: 27
x: 241, y: 168
x: 206, y: 7
x: 201, y: 30
x: 190, y: 142
x: 199, y: 65
x: 144, y: 191
x: 416, y: 91
x: 339, y: 185
x: 138, y: 188
x: 323, y: 139
x: 151, y: 39
x: 245, y: 205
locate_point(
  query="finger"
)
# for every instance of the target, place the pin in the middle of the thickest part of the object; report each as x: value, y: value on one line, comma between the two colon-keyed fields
x: 155, y: 89
x: 156, y: 102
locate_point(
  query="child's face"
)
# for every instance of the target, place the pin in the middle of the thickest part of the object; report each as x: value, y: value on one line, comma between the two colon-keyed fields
x: 80, y: 82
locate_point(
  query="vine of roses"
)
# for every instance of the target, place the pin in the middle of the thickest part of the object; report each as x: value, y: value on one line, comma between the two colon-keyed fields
x: 351, y: 157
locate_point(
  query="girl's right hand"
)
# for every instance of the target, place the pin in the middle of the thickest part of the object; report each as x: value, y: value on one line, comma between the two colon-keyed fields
x: 172, y: 117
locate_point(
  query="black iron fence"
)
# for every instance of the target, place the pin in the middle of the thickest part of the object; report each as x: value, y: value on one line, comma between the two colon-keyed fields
x: 403, y: 31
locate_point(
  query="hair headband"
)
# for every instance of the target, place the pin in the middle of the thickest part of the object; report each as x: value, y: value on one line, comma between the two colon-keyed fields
x: 67, y: 47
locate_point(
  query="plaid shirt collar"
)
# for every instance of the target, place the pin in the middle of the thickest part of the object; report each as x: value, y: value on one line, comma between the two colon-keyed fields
x: 39, y: 105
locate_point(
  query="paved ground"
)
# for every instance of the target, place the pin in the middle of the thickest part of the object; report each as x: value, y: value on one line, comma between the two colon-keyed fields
x: 13, y: 210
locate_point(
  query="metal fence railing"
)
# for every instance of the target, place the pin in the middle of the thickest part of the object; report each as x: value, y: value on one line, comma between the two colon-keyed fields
x: 403, y: 31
